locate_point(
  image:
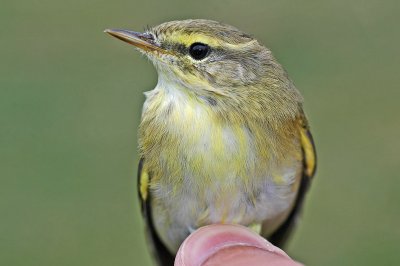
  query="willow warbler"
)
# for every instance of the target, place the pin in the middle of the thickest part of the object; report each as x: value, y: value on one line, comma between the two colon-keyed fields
x: 223, y: 136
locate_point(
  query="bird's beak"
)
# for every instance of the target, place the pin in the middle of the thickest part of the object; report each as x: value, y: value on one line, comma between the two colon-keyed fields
x: 143, y: 41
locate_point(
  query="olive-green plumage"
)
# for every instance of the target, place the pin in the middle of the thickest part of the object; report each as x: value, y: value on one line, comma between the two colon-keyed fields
x: 223, y: 137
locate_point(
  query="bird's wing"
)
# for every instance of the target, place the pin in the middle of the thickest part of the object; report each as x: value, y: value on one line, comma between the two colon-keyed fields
x: 158, y: 250
x: 280, y: 236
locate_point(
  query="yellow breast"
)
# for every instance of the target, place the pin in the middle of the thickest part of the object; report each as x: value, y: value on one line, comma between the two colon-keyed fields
x: 185, y: 132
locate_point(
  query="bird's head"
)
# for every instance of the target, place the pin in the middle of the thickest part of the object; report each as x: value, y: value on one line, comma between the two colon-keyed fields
x: 202, y: 54
x: 211, y: 60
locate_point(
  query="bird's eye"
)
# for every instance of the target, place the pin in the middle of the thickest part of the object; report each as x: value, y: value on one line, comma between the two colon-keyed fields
x: 199, y: 50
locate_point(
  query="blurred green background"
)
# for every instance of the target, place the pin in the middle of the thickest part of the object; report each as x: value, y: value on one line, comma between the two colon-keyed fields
x: 70, y: 102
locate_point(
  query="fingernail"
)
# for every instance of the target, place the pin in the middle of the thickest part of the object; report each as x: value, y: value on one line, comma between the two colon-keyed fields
x: 208, y: 240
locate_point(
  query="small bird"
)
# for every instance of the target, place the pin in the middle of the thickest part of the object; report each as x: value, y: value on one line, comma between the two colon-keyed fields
x: 223, y: 137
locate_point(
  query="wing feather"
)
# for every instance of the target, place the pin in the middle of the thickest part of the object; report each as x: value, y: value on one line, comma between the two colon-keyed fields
x: 159, y: 252
x: 280, y: 236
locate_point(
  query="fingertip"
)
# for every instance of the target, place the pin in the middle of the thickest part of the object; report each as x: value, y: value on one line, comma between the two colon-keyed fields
x: 207, y: 241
